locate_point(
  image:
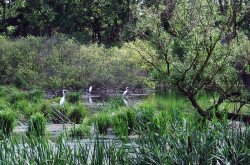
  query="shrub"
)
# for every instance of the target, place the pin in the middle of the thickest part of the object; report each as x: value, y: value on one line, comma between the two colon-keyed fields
x: 3, y: 104
x: 37, y: 125
x: 25, y: 62
x: 78, y: 113
x: 7, y: 119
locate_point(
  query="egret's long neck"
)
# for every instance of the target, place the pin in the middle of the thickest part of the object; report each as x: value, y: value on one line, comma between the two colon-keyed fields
x: 63, y: 94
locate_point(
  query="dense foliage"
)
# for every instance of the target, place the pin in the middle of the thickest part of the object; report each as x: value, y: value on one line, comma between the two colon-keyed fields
x: 197, y: 51
x: 61, y: 62
x: 201, y: 47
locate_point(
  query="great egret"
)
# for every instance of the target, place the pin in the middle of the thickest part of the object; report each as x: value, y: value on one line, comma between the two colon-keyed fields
x: 63, y: 98
x: 125, y: 92
x: 90, y: 89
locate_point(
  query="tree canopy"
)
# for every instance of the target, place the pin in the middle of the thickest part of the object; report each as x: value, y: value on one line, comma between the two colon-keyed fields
x: 192, y: 46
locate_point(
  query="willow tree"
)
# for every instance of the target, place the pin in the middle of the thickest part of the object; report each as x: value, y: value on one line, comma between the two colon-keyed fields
x: 201, y: 47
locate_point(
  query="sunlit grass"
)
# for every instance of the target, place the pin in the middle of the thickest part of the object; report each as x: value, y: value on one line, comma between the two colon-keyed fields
x: 158, y: 130
x: 170, y: 137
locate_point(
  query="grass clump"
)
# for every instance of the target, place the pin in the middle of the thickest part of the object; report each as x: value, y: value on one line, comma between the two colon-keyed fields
x: 3, y: 104
x: 113, y: 104
x: 143, y: 118
x: 35, y: 95
x: 102, y: 122
x: 37, y: 125
x: 7, y: 119
x: 25, y: 107
x: 78, y: 113
x: 119, y: 124
x: 73, y: 97
x: 123, y: 122
x: 82, y: 131
x: 45, y: 108
x: 15, y: 96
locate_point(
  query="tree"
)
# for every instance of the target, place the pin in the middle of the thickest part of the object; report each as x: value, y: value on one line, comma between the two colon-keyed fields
x: 202, y: 49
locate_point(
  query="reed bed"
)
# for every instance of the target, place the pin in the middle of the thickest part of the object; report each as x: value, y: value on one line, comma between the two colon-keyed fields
x: 156, y: 131
x: 170, y: 137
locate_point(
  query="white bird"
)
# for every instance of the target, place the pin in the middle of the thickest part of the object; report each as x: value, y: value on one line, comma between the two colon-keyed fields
x: 63, y: 98
x: 125, y: 92
x: 90, y: 89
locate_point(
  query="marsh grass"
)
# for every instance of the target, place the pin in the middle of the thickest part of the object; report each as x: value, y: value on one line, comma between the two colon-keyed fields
x: 167, y: 129
x: 82, y: 131
x: 119, y: 125
x: 73, y: 97
x: 44, y: 107
x: 25, y: 107
x: 7, y: 121
x: 102, y: 122
x: 77, y: 113
x: 113, y: 104
x: 37, y: 125
x: 185, y: 139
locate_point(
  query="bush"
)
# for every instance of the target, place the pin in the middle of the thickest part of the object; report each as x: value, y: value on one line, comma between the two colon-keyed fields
x: 26, y: 62
x: 37, y: 125
x: 7, y: 119
x: 78, y: 113
x: 60, y: 113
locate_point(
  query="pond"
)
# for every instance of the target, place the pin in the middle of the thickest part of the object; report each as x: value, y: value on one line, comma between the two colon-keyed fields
x: 95, y: 101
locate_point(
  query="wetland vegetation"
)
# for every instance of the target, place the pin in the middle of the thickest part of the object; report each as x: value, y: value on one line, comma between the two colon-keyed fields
x: 189, y: 61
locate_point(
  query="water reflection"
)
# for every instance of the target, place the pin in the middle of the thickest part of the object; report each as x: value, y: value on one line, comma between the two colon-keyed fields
x: 90, y: 100
x: 96, y: 100
x: 125, y: 102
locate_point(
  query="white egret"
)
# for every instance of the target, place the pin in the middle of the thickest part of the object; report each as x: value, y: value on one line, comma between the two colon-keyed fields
x: 90, y: 89
x: 125, y: 92
x: 63, y: 98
